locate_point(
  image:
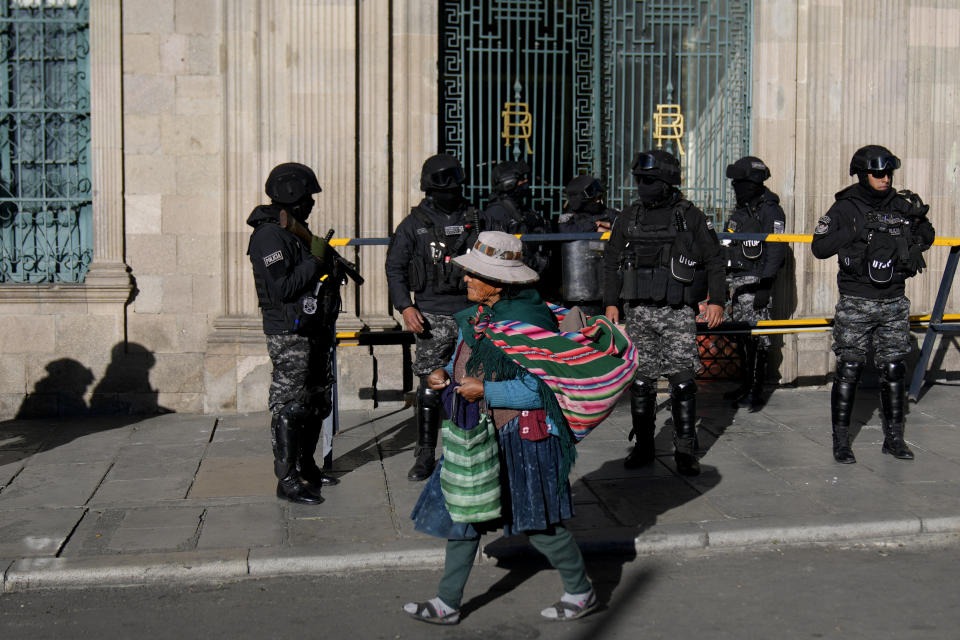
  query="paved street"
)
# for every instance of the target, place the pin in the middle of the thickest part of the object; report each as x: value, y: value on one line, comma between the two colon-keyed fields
x: 190, y: 498
x: 847, y: 591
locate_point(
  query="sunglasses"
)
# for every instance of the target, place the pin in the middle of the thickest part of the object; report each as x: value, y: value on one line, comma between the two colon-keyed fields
x: 882, y: 174
x: 647, y: 179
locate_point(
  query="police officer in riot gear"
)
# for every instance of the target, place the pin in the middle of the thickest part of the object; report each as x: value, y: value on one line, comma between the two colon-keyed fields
x: 443, y: 226
x: 878, y: 235
x: 582, y: 260
x: 509, y: 210
x: 752, y: 267
x: 299, y: 298
x: 662, y: 260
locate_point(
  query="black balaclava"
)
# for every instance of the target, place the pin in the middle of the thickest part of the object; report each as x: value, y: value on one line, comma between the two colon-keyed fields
x: 869, y: 192
x: 449, y: 200
x: 746, y: 191
x: 653, y: 192
x: 300, y: 209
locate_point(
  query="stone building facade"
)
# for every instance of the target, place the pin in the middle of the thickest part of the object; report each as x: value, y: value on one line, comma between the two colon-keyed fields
x: 192, y: 102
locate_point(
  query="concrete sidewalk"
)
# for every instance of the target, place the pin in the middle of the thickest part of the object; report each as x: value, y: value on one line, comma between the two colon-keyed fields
x: 187, y: 497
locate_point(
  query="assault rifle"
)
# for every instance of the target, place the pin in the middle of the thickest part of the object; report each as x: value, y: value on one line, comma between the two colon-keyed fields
x: 319, y: 246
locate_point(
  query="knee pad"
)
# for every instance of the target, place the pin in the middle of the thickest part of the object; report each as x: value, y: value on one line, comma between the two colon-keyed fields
x: 683, y: 390
x: 893, y: 371
x: 294, y: 411
x: 849, y: 371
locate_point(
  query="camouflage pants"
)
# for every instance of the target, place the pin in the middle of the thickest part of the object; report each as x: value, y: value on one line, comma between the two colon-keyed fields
x: 435, y: 345
x: 301, y: 371
x: 741, y: 305
x: 666, y: 340
x: 858, y: 320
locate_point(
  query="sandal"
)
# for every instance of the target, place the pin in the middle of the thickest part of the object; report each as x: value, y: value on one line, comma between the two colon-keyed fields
x: 426, y: 612
x: 562, y: 611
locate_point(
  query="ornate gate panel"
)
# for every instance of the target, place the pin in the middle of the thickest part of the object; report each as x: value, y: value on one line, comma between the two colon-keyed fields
x: 574, y: 85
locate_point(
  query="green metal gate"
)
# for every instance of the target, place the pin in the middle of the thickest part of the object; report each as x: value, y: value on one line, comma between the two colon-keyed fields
x: 583, y: 78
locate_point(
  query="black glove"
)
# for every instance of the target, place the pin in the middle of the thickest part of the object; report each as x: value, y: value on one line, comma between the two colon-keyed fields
x: 915, y: 261
x: 761, y: 298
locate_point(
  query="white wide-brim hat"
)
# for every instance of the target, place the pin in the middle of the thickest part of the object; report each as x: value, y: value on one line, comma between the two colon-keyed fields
x: 497, y: 256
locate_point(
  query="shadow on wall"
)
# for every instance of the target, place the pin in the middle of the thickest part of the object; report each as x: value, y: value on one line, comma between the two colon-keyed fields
x: 121, y: 398
x: 124, y: 389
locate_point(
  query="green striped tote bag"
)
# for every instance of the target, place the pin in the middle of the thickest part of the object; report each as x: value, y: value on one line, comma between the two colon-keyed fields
x: 470, y: 473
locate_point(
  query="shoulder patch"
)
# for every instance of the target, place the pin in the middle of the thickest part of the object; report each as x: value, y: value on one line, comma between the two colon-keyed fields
x: 822, y: 225
x: 778, y: 226
x: 276, y: 256
x: 421, y: 231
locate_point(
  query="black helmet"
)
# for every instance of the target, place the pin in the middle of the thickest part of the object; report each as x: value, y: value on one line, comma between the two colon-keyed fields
x: 581, y: 190
x: 290, y: 182
x: 659, y: 164
x: 441, y: 171
x: 507, y: 175
x: 748, y: 168
x: 873, y: 157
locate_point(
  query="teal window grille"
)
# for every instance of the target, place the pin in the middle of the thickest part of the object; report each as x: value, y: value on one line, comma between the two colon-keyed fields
x: 45, y: 188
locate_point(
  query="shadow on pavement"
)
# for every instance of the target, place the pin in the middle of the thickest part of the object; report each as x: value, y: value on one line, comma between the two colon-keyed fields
x: 122, y: 397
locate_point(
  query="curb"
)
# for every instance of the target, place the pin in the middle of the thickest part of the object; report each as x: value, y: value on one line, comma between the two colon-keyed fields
x: 26, y: 574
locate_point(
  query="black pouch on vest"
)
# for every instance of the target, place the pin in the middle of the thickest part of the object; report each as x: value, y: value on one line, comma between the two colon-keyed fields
x: 881, y: 257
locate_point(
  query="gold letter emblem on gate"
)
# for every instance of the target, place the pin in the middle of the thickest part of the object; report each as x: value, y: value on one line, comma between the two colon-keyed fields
x: 668, y: 125
x: 517, y: 123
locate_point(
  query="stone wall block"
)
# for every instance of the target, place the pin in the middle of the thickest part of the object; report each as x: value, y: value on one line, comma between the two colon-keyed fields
x: 191, y: 16
x: 79, y: 335
x: 185, y: 135
x: 355, y: 379
x: 177, y: 294
x: 156, y: 333
x: 198, y: 254
x: 253, y: 383
x: 220, y: 383
x: 28, y: 334
x: 152, y: 254
x: 199, y: 95
x: 13, y: 370
x: 149, y: 297
x: 148, y: 16
x: 178, y: 372
x: 198, y: 175
x: 148, y: 93
x: 150, y: 174
x: 143, y: 213
x: 141, y: 53
x: 192, y: 330
x: 191, y: 214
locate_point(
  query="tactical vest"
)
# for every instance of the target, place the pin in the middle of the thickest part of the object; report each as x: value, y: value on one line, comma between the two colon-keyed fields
x: 884, y: 250
x: 312, y: 311
x: 438, y: 270
x: 651, y: 262
x: 742, y: 255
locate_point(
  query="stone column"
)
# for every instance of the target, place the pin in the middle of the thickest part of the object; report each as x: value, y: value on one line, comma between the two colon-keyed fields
x: 108, y: 278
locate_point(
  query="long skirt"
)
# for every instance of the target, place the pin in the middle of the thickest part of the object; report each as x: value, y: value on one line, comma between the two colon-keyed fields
x: 532, y: 495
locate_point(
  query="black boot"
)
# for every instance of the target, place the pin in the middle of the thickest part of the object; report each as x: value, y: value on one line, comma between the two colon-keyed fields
x: 754, y: 398
x: 842, y: 397
x: 746, y: 375
x: 428, y: 427
x: 284, y: 429
x: 306, y: 465
x: 643, y: 411
x: 684, y: 410
x: 892, y: 401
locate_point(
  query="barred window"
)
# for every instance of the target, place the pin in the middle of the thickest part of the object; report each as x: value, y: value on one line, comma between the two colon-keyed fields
x: 45, y: 189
